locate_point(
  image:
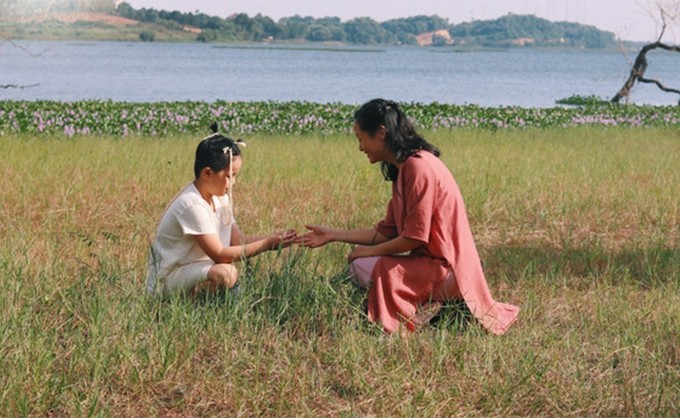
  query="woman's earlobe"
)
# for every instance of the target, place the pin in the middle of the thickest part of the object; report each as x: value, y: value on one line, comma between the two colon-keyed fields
x: 383, y: 131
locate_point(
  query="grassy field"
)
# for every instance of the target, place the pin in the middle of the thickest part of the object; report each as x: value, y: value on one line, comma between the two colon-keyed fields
x: 578, y: 226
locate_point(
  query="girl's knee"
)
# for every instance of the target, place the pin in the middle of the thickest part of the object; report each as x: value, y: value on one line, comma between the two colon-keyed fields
x: 223, y: 275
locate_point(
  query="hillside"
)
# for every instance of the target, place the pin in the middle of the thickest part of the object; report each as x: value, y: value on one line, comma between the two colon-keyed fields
x: 149, y: 24
x: 73, y: 17
x: 89, y: 26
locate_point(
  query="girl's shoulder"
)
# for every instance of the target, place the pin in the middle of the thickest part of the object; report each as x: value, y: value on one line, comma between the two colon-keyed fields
x: 222, y: 201
x: 188, y: 197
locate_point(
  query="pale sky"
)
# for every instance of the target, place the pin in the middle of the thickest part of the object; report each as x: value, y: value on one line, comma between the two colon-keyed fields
x: 636, y: 20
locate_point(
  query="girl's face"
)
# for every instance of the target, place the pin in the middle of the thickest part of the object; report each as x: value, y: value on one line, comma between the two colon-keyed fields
x: 372, y: 145
x: 220, y: 182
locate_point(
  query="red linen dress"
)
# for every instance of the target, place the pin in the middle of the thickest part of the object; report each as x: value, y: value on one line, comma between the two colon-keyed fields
x: 427, y: 206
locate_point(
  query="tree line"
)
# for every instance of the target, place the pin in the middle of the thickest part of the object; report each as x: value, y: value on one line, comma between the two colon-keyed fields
x: 509, y: 30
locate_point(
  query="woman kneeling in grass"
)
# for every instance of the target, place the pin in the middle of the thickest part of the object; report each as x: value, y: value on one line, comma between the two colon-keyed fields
x: 198, y: 240
x: 425, y: 218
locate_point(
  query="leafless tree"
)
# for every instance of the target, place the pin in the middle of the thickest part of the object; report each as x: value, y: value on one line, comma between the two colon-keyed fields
x: 637, y: 72
x: 29, y: 52
x: 15, y: 9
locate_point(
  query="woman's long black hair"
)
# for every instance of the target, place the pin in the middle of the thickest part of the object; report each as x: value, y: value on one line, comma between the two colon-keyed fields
x: 401, y: 136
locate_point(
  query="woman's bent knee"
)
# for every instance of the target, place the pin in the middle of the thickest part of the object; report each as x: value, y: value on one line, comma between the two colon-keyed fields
x: 361, y: 269
x: 448, y: 290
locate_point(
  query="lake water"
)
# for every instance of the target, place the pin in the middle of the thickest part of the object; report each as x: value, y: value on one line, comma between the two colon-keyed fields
x: 149, y: 72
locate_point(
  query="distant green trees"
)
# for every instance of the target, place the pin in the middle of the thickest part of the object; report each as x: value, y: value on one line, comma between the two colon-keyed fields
x: 507, y: 31
x: 511, y: 28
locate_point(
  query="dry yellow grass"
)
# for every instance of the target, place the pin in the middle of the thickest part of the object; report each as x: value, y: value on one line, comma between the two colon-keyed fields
x: 579, y: 227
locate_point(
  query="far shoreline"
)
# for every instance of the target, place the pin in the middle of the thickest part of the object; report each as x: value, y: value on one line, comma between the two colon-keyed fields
x: 81, y: 26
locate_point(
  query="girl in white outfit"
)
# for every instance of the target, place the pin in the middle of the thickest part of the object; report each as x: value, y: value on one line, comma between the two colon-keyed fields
x: 198, y: 240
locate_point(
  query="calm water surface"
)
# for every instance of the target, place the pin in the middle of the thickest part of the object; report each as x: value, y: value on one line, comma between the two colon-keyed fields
x: 148, y: 72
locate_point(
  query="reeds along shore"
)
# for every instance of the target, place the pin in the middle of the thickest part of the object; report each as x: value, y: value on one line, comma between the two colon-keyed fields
x: 579, y: 226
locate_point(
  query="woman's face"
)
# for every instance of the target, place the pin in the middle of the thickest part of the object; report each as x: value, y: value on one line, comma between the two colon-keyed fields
x: 220, y: 182
x: 372, y: 145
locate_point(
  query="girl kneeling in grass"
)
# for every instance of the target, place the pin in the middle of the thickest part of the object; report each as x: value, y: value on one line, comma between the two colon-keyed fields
x: 423, y: 252
x: 198, y: 240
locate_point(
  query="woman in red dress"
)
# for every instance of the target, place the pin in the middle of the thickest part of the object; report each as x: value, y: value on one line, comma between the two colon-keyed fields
x: 422, y: 253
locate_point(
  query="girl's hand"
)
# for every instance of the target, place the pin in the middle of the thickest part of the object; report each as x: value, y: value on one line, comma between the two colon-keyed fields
x: 359, y: 251
x: 283, y: 239
x: 318, y: 236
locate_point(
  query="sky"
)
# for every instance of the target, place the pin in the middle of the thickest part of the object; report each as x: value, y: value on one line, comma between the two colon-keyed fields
x: 634, y: 20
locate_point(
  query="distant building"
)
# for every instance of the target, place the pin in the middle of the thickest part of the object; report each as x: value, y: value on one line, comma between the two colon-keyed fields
x: 522, y: 41
x: 437, y: 37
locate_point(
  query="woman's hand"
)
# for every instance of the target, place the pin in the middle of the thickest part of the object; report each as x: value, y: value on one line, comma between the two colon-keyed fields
x: 358, y: 252
x: 282, y: 239
x: 318, y: 236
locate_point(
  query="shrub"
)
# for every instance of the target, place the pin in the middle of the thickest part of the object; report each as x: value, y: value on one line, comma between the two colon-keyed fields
x: 578, y: 100
x: 147, y: 36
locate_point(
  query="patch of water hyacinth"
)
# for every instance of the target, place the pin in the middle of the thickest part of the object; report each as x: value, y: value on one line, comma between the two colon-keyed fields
x: 296, y: 118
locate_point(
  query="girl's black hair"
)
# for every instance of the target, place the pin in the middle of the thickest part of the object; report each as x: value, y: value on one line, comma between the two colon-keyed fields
x: 401, y: 136
x: 213, y: 152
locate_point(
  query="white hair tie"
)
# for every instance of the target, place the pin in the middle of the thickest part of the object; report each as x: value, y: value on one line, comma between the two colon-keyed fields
x: 229, y: 150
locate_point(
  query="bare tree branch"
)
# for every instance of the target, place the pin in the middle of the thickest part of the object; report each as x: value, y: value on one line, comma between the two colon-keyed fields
x: 637, y: 72
x: 27, y: 51
x: 18, y: 86
x: 659, y: 84
x: 23, y: 48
